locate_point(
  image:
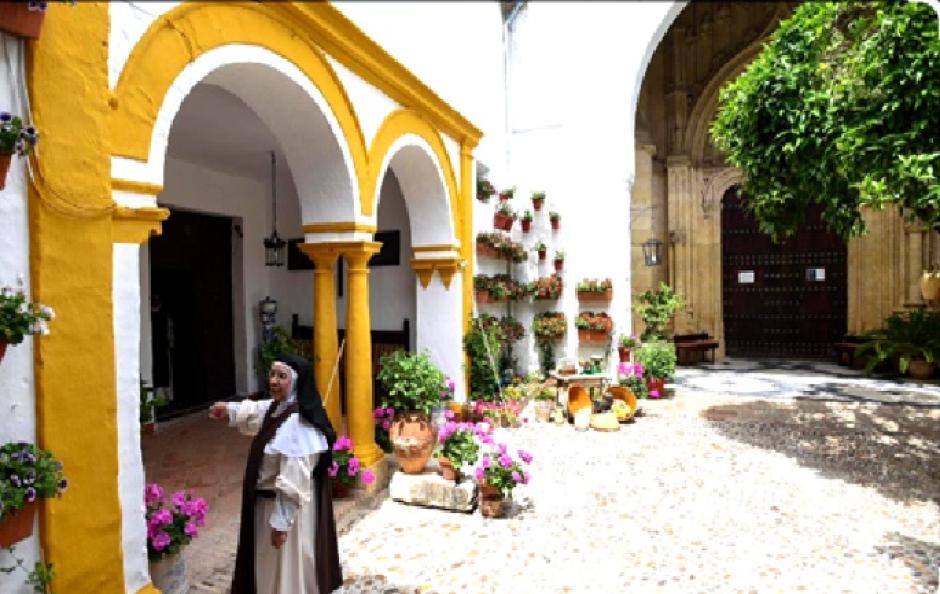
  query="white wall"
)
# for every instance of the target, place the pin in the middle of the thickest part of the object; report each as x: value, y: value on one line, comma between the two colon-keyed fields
x: 17, y: 387
x: 392, y: 288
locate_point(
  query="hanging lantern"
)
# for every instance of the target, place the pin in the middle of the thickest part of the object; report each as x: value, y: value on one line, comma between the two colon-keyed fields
x: 653, y: 252
x: 274, y: 246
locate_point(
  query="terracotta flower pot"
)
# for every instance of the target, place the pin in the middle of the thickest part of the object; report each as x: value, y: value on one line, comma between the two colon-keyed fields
x: 340, y: 490
x: 555, y: 224
x: 920, y: 369
x: 3, y: 348
x: 18, y: 19
x: 655, y: 383
x: 491, y: 502
x: 503, y: 197
x: 17, y: 525
x: 542, y: 255
x: 559, y: 264
x: 624, y: 354
x: 605, y: 296
x: 537, y: 203
x: 526, y: 225
x: 4, y: 169
x: 447, y: 469
x: 501, y: 221
x: 413, y: 438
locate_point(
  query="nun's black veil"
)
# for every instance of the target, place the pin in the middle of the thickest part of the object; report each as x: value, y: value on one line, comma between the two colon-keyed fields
x: 311, y: 405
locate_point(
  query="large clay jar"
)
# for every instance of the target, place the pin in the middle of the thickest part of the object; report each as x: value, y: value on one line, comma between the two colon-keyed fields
x: 413, y: 438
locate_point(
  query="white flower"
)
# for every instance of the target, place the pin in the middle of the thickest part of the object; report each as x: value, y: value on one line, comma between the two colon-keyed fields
x: 24, y: 308
x: 43, y: 328
x: 47, y: 311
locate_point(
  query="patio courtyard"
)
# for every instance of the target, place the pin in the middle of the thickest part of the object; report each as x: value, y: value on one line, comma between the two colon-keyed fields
x: 750, y: 478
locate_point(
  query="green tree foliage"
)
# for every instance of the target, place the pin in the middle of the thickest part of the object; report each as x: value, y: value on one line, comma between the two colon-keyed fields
x: 841, y: 108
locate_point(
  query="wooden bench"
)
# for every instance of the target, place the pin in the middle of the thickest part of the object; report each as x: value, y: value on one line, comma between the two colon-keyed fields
x: 688, y: 345
x: 845, y: 350
x: 383, y: 342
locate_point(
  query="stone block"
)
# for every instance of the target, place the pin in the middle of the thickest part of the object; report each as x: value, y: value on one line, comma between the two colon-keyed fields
x: 431, y: 490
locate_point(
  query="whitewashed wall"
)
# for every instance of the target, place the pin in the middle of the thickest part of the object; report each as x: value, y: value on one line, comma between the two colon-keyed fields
x: 17, y: 386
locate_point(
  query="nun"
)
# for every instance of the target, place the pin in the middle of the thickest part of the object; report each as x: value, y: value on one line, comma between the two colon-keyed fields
x: 287, y: 540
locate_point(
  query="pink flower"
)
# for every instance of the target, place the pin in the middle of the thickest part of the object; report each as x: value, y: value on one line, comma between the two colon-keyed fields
x: 160, y: 541
x: 353, y: 466
x: 162, y: 517
x: 505, y: 461
x: 479, y: 473
x: 343, y: 443
x: 179, y: 499
x: 526, y: 456
x: 502, y: 448
x: 525, y: 477
x: 333, y: 469
x: 622, y: 369
x: 378, y: 413
x: 654, y: 393
x: 153, y: 493
x: 367, y: 477
x: 485, y: 461
x: 386, y: 424
x: 451, y: 385
x: 516, y: 476
x: 390, y: 412
x: 191, y: 530
x: 449, y: 415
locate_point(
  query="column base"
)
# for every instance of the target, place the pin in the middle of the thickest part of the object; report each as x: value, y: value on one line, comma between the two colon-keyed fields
x: 368, y: 453
x: 380, y: 468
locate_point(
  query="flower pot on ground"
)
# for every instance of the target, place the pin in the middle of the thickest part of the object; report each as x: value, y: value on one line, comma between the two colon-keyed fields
x: 491, y: 502
x: 656, y: 387
x: 170, y: 574
x: 346, y: 470
x: 498, y: 474
x: 905, y: 337
x: 627, y: 344
x: 340, y: 490
x: 414, y: 386
x: 921, y: 369
x: 658, y: 361
x: 657, y: 308
x: 623, y: 353
x: 23, y: 19
x: 459, y: 445
x: 171, y: 526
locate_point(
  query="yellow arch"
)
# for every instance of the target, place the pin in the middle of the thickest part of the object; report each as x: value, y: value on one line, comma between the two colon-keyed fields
x: 397, y: 124
x: 180, y: 36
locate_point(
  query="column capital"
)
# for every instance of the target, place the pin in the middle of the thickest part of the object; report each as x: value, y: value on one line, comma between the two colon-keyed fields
x: 137, y: 225
x: 676, y: 161
x: 323, y: 255
x: 358, y: 253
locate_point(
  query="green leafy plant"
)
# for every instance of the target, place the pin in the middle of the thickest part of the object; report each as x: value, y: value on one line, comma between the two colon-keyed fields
x: 628, y: 341
x: 26, y: 473
x: 658, y: 359
x: 544, y: 393
x: 546, y: 288
x: 594, y: 286
x: 411, y: 380
x: 280, y: 342
x: 499, y: 469
x: 536, y: 196
x: 150, y: 400
x: 554, y: 216
x: 506, y: 210
x: 539, y: 246
x: 14, y: 137
x: 907, y: 335
x: 839, y: 109
x: 41, y: 576
x: 508, y: 193
x: 559, y: 255
x: 484, y: 189
x: 20, y: 318
x: 527, y: 215
x: 549, y: 325
x: 483, y: 345
x: 600, y: 322
x: 459, y: 442
x: 656, y: 309
x: 346, y: 468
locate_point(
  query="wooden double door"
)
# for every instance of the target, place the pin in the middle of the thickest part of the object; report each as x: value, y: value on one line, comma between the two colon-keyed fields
x: 784, y: 299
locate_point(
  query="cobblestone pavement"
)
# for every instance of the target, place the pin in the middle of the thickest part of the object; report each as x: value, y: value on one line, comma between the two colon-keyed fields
x: 705, y: 492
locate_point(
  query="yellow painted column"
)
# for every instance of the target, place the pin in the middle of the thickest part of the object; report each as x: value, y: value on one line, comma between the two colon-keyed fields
x: 325, y: 346
x: 359, y: 402
x: 71, y: 230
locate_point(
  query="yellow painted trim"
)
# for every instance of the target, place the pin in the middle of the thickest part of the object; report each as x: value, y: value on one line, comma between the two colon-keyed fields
x: 183, y: 34
x: 136, y: 187
x: 397, y: 124
x: 137, y: 225
x: 71, y: 269
x: 354, y: 49
x: 467, y: 187
x: 440, y: 247
x: 149, y: 589
x: 343, y: 227
x: 445, y: 267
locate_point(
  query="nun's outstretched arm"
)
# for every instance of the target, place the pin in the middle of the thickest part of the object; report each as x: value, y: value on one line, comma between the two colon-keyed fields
x: 247, y: 415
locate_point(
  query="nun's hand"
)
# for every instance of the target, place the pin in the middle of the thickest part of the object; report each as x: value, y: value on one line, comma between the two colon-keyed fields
x: 278, y: 538
x: 219, y: 410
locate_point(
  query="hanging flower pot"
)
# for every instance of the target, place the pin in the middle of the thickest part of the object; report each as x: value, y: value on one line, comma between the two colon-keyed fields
x: 624, y: 354
x: 4, y: 168
x: 18, y: 525
x: 559, y: 264
x: 538, y: 200
x: 21, y: 18
x: 526, y: 225
x: 502, y: 221
x: 3, y: 348
x: 555, y: 220
x: 542, y: 255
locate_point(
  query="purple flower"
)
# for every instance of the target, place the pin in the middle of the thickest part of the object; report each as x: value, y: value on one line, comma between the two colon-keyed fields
x: 526, y: 456
x: 485, y: 461
x: 449, y: 415
x: 15, y: 480
x: 516, y: 476
x: 654, y: 393
x: 502, y: 448
x: 479, y: 473
x: 191, y: 530
x: 451, y: 385
x: 5, y: 116
x: 333, y: 469
x: 353, y: 466
x: 378, y: 413
x: 389, y: 412
x: 30, y: 494
x: 386, y: 424
x: 153, y: 493
x: 63, y: 484
x: 343, y: 443
x: 160, y: 541
x: 163, y: 517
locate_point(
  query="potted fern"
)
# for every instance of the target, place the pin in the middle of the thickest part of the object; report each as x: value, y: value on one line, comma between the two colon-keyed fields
x: 911, y: 337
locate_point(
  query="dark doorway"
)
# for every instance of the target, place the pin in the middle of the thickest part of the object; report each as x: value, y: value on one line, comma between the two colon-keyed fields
x: 191, y: 310
x: 780, y: 300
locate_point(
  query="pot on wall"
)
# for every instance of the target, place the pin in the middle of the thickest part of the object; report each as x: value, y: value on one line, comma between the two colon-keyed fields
x: 18, y: 525
x: 169, y: 575
x: 413, y: 437
x: 4, y: 168
x: 18, y: 19
x: 930, y: 287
